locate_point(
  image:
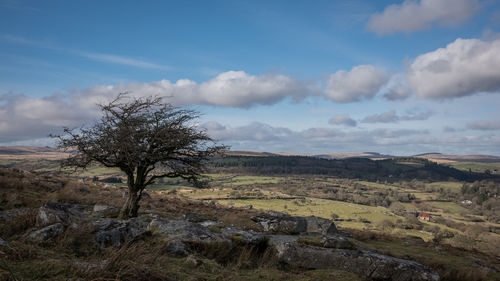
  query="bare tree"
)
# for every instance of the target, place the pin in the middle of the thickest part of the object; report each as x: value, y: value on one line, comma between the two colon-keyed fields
x: 146, y: 139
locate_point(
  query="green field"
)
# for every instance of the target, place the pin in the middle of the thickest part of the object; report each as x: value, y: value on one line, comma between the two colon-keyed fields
x: 478, y: 167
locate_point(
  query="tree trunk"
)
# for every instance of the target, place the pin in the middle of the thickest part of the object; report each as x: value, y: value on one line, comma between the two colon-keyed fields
x: 131, y: 206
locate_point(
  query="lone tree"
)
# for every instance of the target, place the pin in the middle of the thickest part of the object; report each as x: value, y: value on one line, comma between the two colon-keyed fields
x: 146, y: 139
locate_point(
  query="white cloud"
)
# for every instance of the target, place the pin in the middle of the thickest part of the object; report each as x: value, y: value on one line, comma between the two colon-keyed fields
x: 464, y: 67
x: 392, y: 117
x: 108, y: 58
x: 121, y: 60
x: 342, y: 119
x: 23, y: 117
x: 362, y: 82
x: 414, y: 15
x: 231, y: 88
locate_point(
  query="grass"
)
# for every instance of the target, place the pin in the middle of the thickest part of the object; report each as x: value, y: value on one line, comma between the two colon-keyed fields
x: 478, y: 167
x: 376, y: 185
x: 449, y: 207
x: 317, y: 207
x: 451, y: 185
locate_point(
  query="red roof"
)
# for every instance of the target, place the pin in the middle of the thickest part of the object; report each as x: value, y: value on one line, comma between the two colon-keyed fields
x: 423, y: 215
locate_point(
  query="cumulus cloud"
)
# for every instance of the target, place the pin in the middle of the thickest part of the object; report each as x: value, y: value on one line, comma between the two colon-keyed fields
x: 414, y: 15
x: 484, y: 125
x: 231, y: 88
x: 23, y: 117
x: 343, y: 119
x: 362, y: 82
x: 464, y: 67
x: 392, y: 117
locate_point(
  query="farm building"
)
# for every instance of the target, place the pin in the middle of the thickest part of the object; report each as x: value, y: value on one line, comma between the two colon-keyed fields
x: 424, y: 217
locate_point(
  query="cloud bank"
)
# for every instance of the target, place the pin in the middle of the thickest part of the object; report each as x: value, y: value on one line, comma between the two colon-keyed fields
x: 464, y: 67
x: 418, y: 15
x: 361, y: 83
x: 392, y: 117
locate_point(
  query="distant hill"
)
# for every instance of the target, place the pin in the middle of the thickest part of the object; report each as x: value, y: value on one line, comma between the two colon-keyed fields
x: 443, y: 158
x: 34, y: 152
x: 31, y: 152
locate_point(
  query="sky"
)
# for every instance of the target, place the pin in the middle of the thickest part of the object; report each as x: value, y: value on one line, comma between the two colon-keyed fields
x: 394, y: 77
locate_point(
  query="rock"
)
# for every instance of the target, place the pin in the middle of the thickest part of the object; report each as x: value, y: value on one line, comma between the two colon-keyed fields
x: 320, y: 225
x: 184, y: 230
x: 195, y: 217
x: 370, y: 266
x: 105, y: 211
x: 278, y: 240
x: 45, y: 233
x: 176, y: 248
x: 286, y: 224
x: 247, y: 237
x: 10, y: 214
x: 65, y: 214
x: 114, y: 232
x: 337, y: 242
x: 3, y: 242
x: 281, y: 224
x: 247, y: 207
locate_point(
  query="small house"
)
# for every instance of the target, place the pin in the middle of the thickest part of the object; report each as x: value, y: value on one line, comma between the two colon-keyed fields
x: 424, y: 217
x: 467, y: 202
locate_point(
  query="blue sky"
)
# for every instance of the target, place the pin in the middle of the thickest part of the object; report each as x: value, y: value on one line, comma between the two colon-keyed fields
x: 397, y: 77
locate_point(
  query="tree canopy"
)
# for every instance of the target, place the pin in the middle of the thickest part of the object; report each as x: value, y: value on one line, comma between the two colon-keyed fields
x: 145, y: 138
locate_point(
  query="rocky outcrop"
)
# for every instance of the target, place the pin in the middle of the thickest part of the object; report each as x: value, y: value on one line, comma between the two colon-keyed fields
x: 102, y: 211
x: 337, y: 242
x: 176, y: 248
x: 307, y: 242
x: 114, y: 232
x: 368, y: 265
x: 45, y: 233
x: 285, y: 224
x: 184, y: 230
x: 53, y: 212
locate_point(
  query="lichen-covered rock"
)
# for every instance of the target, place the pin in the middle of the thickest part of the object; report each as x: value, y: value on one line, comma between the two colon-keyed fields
x: 248, y: 237
x: 45, y: 233
x: 65, y: 214
x: 184, y: 230
x: 370, y: 266
x: 286, y: 224
x: 337, y: 242
x: 105, y: 211
x: 176, y: 248
x: 115, y: 232
x: 320, y: 225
